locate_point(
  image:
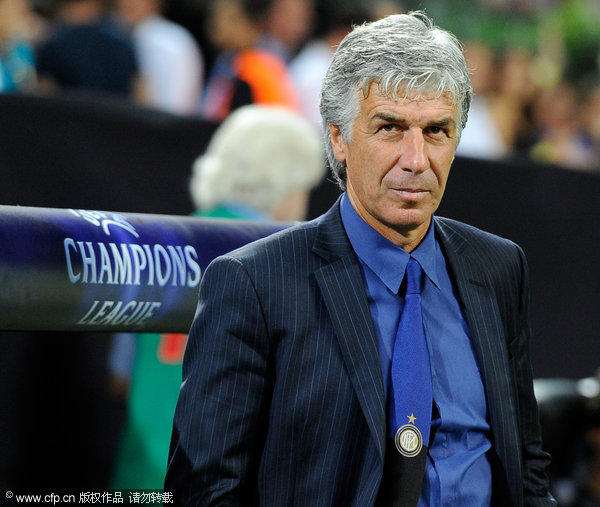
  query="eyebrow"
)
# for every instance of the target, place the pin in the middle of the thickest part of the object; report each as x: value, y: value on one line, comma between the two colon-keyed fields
x: 443, y: 122
x: 446, y: 122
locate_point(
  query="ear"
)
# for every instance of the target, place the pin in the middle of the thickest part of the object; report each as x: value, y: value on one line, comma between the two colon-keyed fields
x: 337, y: 143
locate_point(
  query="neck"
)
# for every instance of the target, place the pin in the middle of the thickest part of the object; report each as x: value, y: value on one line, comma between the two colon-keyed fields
x: 407, y: 237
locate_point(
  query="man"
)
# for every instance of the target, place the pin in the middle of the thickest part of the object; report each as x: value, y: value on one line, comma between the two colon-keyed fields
x: 88, y: 53
x: 171, y: 62
x: 244, y: 71
x: 287, y: 24
x: 292, y: 381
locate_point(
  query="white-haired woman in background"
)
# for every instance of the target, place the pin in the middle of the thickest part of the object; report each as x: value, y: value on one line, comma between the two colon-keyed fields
x: 261, y: 162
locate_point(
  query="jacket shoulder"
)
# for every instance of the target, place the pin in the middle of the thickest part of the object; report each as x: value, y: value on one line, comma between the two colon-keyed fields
x: 480, y: 255
x: 282, y: 250
x: 454, y: 232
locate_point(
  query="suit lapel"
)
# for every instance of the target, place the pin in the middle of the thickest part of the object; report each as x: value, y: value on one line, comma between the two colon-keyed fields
x: 341, y: 284
x: 487, y: 333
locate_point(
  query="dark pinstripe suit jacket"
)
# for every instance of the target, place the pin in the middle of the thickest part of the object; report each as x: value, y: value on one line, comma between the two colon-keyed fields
x: 282, y: 401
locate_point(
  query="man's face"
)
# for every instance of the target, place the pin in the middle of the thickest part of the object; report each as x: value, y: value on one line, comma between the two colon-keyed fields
x: 290, y: 21
x: 229, y: 27
x: 398, y: 162
x: 135, y: 11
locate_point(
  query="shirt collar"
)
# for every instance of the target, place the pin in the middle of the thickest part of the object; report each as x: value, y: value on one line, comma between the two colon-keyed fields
x: 386, y: 260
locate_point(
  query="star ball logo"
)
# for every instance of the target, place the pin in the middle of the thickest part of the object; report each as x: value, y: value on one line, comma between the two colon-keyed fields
x: 105, y: 220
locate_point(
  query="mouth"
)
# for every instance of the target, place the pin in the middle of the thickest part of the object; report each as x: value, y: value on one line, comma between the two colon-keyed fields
x: 410, y: 194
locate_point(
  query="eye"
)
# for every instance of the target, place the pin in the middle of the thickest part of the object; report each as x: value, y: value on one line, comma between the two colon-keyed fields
x: 391, y: 128
x: 436, y: 130
x: 443, y: 130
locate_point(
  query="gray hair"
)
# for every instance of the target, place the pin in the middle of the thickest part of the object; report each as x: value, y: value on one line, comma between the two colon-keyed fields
x: 407, y: 56
x: 257, y: 157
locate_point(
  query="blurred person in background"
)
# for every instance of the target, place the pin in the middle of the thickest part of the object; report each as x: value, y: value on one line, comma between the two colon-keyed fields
x: 170, y: 60
x: 309, y: 67
x: 243, y: 73
x: 587, y: 475
x: 382, y: 8
x: 512, y: 99
x: 260, y: 164
x: 579, y: 425
x: 88, y: 53
x: 288, y: 24
x: 481, y: 137
x: 590, y: 117
x: 561, y: 138
x: 17, y: 53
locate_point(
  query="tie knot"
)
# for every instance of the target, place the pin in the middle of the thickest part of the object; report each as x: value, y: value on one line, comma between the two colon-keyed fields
x: 414, y: 276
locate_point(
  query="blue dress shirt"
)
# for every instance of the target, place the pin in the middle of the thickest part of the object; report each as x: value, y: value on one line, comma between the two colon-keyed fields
x: 458, y: 470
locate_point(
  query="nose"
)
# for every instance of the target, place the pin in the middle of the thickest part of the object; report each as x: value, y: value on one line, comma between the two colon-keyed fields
x: 414, y: 155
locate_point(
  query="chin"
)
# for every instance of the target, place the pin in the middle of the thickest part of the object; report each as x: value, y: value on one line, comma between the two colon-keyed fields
x: 411, y: 219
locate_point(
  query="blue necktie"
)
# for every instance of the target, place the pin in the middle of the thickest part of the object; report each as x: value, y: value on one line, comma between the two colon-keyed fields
x: 411, y: 395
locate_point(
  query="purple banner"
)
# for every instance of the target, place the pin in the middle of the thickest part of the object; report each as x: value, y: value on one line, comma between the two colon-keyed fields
x: 81, y: 270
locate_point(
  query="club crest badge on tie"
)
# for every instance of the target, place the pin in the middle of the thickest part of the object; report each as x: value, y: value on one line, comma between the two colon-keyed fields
x: 408, y: 439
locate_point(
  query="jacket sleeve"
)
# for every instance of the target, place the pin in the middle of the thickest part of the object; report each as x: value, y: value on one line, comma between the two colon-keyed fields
x: 535, y: 460
x: 221, y: 416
